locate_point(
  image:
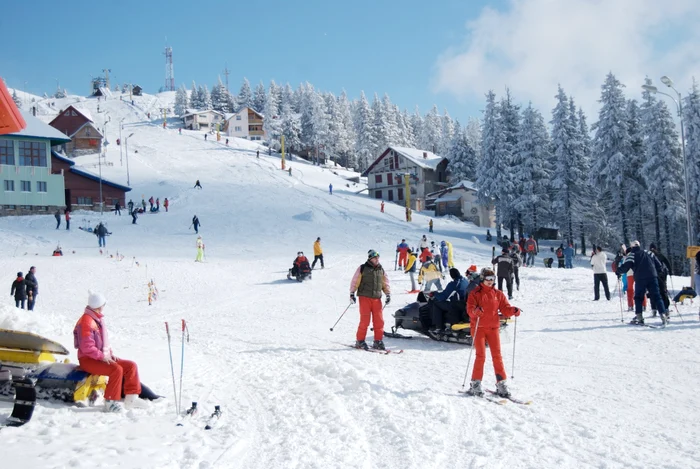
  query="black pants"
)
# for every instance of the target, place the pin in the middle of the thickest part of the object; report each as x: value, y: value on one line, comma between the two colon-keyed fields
x: 68, y: 224
x: 58, y: 223
x: 318, y: 258
x: 18, y: 302
x: 133, y: 218
x: 451, y: 312
x: 509, y: 285
x: 642, y: 286
x: 597, y: 280
x: 31, y: 299
x: 517, y: 278
x: 663, y: 291
x: 561, y: 263
x: 196, y: 228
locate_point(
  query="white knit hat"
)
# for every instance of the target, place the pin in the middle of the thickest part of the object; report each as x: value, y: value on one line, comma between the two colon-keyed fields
x: 96, y: 300
x: 635, y: 244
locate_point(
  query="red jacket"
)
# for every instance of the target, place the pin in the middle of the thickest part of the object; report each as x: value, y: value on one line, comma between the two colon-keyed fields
x: 490, y: 300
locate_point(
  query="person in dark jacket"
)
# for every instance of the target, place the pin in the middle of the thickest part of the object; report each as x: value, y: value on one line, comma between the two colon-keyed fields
x: 517, y: 262
x: 369, y: 281
x: 58, y: 218
x: 505, y: 271
x: 32, y: 288
x: 663, y: 278
x: 118, y: 209
x: 101, y: 232
x: 300, y: 268
x: 134, y: 216
x: 195, y: 223
x: 645, y: 266
x: 19, y: 290
x: 452, y: 301
x: 131, y: 206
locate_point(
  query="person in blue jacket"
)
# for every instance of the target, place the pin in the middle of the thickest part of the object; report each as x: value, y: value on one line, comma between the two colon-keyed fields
x: 569, y: 256
x: 452, y: 300
x: 444, y: 251
x: 646, y: 267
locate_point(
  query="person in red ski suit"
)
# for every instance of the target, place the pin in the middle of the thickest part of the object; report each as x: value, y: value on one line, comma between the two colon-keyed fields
x: 483, y: 305
x: 402, y: 249
x: 95, y: 357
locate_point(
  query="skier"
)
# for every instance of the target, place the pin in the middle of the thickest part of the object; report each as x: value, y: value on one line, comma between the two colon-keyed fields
x: 57, y: 252
x: 600, y: 274
x: 131, y: 206
x: 505, y: 271
x: 300, y: 268
x: 488, y: 235
x: 560, y: 256
x: 19, y: 290
x: 381, y: 207
x: 166, y: 204
x: 410, y: 269
x: 95, y: 357
x: 628, y: 282
x: 430, y: 273
x: 369, y: 281
x: 430, y: 225
x: 143, y: 204
x: 67, y: 214
x: 32, y: 288
x: 646, y: 267
x: 290, y: 170
x: 150, y: 201
x: 424, y: 250
x: 205, y: 137
x: 448, y: 249
x: 157, y: 204
x: 330, y: 189
x: 450, y: 302
x: 197, y: 184
x: 179, y: 130
x: 118, y: 209
x: 318, y: 253
x: 517, y: 262
x: 57, y: 215
x: 531, y: 249
x: 403, y: 249
x: 483, y: 305
x: 663, y: 278
x: 101, y: 232
x: 134, y: 216
x: 226, y: 142
x: 257, y: 154
x: 569, y: 256
x: 437, y: 256
x: 200, y: 249
x: 195, y: 223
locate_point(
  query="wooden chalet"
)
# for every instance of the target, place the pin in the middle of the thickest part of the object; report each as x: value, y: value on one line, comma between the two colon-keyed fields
x: 78, y: 125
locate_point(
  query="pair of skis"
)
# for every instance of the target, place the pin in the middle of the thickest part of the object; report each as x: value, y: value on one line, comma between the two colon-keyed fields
x: 373, y: 350
x: 178, y: 400
x: 494, y: 397
x: 211, y: 421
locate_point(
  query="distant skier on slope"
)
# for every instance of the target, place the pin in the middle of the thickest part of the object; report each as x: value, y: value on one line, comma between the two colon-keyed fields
x: 403, y: 249
x: 318, y: 253
x: 200, y: 249
x: 196, y: 224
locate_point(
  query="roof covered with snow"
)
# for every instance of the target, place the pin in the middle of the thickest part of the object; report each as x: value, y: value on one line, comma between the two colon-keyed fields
x: 189, y: 112
x: 38, y: 129
x: 448, y: 198
x: 87, y: 174
x: 87, y: 114
x: 418, y: 157
x: 464, y: 184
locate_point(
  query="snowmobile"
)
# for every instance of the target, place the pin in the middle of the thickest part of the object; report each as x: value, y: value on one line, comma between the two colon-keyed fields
x: 416, y: 317
x: 29, y: 370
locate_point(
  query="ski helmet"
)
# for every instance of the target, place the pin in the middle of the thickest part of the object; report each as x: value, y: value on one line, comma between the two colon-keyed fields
x: 372, y: 253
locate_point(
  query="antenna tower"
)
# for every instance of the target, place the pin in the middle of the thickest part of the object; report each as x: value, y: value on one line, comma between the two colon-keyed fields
x: 227, y: 72
x: 169, y: 73
x: 107, y: 70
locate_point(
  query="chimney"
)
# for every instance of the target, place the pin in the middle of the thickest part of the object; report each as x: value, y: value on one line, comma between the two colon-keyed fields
x: 34, y: 111
x: 425, y: 155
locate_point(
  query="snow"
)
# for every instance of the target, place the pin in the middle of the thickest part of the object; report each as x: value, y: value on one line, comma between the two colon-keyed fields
x: 605, y: 394
x: 37, y: 128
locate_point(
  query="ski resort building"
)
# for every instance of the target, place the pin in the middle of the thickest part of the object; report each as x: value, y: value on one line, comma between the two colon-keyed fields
x: 30, y: 184
x: 386, y: 175
x: 78, y: 125
x: 246, y: 123
x: 460, y: 201
x: 202, y: 120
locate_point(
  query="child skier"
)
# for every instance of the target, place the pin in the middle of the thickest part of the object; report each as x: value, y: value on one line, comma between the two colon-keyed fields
x: 411, y: 270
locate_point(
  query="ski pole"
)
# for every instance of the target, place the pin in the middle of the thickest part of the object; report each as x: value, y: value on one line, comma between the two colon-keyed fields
x: 515, y: 335
x: 182, y: 360
x: 396, y: 258
x: 469, y: 362
x: 619, y: 287
x: 341, y: 316
x: 678, y: 312
x: 172, y: 369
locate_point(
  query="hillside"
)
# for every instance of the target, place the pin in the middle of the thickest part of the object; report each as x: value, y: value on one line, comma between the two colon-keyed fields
x: 605, y: 394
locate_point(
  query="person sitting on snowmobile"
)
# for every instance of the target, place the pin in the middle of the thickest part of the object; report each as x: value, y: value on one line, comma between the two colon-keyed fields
x: 450, y: 304
x: 301, y: 268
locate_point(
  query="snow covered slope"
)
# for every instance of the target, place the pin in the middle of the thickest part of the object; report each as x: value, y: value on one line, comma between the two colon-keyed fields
x: 605, y: 394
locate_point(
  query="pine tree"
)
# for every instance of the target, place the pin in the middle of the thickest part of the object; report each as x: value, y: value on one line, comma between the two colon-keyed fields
x: 204, y: 97
x: 259, y: 98
x: 345, y: 139
x: 417, y: 128
x: 194, y: 98
x: 272, y: 123
x: 448, y: 133
x: 15, y: 98
x: 462, y: 158
x: 431, y: 136
x: 386, y: 130
x: 510, y: 119
x: 365, y: 145
x: 635, y: 192
x: 532, y: 157
x: 564, y: 178
x: 291, y: 128
x: 220, y: 99
x: 181, y: 101
x: 611, y: 148
x: 275, y: 93
x: 473, y: 130
x: 245, y: 96
x: 691, y: 117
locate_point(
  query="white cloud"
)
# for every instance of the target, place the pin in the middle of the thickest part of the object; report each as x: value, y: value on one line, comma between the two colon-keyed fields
x: 533, y: 45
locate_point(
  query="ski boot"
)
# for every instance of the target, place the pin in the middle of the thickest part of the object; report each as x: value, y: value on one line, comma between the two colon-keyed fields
x: 664, y: 318
x: 361, y: 344
x: 502, y: 389
x: 475, y: 388
x: 113, y: 406
x: 638, y: 320
x: 653, y: 313
x: 378, y: 345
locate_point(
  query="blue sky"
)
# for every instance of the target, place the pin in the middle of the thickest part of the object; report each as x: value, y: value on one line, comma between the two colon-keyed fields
x: 375, y: 46
x: 448, y: 52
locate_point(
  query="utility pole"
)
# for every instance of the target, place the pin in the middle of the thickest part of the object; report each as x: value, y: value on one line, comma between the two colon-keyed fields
x: 99, y: 163
x: 165, y: 111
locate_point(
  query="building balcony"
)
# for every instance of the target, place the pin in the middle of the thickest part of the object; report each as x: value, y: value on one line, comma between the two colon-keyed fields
x: 255, y: 132
x: 255, y: 121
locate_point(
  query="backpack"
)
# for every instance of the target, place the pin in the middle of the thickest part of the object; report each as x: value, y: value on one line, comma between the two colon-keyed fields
x: 559, y: 252
x: 530, y: 245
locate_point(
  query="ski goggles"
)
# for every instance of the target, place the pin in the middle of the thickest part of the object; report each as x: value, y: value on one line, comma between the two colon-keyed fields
x: 372, y: 253
x: 490, y: 278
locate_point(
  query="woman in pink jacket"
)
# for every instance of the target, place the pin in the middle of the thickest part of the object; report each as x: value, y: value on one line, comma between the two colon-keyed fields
x: 95, y: 357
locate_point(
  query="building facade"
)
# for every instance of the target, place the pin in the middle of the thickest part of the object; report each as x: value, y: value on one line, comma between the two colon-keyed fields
x: 29, y: 183
x: 426, y: 172
x: 202, y: 120
x: 246, y: 123
x: 460, y: 201
x: 77, y: 124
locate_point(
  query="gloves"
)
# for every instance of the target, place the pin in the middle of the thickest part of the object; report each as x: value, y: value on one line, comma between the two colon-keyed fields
x: 517, y: 312
x: 352, y: 298
x: 478, y: 312
x: 388, y: 300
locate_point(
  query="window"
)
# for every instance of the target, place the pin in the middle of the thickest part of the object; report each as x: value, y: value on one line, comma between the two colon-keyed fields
x: 32, y: 154
x: 7, y: 152
x: 377, y: 194
x: 9, y: 186
x: 25, y: 207
x: 10, y: 207
x: 378, y: 178
x: 84, y: 200
x: 396, y: 161
x: 391, y: 195
x: 238, y: 128
x: 26, y: 186
x: 238, y: 118
x: 41, y: 186
x: 389, y: 180
x: 42, y: 208
x: 400, y: 194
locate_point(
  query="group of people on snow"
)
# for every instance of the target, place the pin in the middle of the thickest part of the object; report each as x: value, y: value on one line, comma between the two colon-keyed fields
x: 25, y: 289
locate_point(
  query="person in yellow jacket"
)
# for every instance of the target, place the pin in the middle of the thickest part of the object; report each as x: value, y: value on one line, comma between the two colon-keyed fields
x: 430, y: 273
x: 318, y: 253
x: 410, y: 269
